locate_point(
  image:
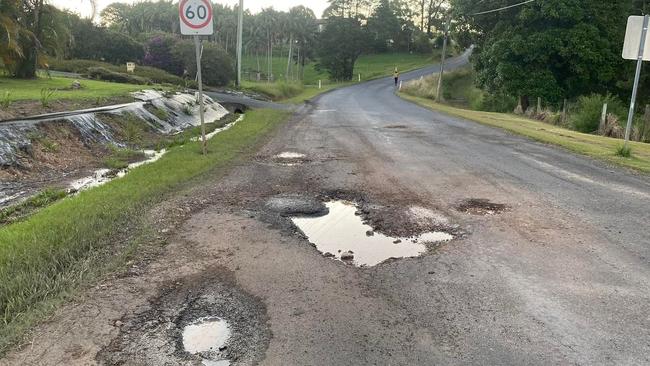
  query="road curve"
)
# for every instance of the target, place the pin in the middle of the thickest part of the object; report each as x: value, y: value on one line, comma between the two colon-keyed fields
x: 562, y: 278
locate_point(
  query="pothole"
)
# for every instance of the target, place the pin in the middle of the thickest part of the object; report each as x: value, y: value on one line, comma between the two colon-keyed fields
x: 290, y: 158
x: 396, y: 127
x: 200, y: 319
x: 342, y: 234
x: 208, y: 337
x: 480, y: 206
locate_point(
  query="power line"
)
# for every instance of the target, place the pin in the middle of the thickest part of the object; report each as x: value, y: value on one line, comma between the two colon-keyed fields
x: 504, y: 8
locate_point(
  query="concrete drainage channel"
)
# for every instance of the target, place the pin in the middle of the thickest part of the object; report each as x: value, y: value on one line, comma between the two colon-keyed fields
x: 203, y: 319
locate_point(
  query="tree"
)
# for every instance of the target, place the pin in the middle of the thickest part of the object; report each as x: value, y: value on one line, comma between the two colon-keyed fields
x: 216, y: 66
x: 552, y: 49
x: 341, y: 43
x: 384, y: 26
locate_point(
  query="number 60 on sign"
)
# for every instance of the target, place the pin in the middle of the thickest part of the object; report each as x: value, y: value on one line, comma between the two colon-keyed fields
x: 196, y: 17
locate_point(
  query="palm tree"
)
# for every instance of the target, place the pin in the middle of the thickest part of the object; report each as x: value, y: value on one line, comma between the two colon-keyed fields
x: 28, y: 30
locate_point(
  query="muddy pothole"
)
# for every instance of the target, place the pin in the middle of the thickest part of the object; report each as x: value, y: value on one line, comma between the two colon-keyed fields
x: 202, y: 319
x: 480, y: 206
x: 343, y: 235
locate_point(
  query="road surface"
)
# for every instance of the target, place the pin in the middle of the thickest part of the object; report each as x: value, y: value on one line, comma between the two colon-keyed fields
x: 560, y: 276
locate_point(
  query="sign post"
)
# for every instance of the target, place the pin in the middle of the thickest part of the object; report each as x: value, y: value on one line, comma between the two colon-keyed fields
x: 196, y: 20
x: 634, y: 48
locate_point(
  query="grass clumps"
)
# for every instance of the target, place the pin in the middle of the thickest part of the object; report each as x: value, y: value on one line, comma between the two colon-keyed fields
x: 459, y: 90
x: 121, y: 157
x: 587, y: 115
x: 22, y: 210
x: 624, y: 151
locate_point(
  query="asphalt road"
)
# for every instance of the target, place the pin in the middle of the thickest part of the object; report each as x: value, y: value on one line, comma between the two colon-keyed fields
x: 562, y: 277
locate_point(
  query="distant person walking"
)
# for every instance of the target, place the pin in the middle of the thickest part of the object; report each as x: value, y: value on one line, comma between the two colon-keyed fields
x: 396, y: 76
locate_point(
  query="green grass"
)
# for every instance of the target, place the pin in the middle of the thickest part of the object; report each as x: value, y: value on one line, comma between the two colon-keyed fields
x: 278, y: 90
x: 380, y: 65
x: 68, y: 244
x: 599, y: 147
x: 31, y: 89
x: 369, y: 66
x: 23, y: 209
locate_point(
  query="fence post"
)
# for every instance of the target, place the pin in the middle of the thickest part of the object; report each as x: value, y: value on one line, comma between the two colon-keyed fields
x: 319, y: 84
x: 539, y: 105
x: 603, y: 120
x: 564, y: 111
x: 400, y: 85
x: 359, y: 77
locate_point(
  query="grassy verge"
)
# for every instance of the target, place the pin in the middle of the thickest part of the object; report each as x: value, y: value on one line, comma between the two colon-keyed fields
x: 368, y: 66
x: 603, y: 148
x: 91, y: 89
x: 71, y: 242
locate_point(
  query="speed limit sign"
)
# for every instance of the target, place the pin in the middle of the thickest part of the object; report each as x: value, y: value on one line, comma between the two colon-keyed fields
x: 196, y: 17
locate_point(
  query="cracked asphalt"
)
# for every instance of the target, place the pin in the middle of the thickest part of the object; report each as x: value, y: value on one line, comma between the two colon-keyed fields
x: 562, y: 276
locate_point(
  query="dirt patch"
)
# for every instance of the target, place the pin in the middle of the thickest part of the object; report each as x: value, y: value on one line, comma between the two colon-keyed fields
x: 481, y: 206
x: 396, y: 127
x: 26, y: 108
x: 155, y: 336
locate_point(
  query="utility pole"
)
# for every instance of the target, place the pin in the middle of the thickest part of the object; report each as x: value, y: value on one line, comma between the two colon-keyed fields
x: 442, y: 61
x: 240, y: 22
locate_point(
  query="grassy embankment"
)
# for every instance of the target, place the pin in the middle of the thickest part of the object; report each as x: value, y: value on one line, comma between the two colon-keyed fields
x: 368, y: 66
x: 603, y: 148
x: 91, y: 89
x: 68, y: 244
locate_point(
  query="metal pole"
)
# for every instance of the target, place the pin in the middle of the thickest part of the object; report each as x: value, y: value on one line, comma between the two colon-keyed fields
x: 240, y: 22
x: 635, y: 89
x: 197, y: 43
x: 442, y: 62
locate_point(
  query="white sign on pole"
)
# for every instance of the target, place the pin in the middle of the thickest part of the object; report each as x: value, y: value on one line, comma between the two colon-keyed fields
x: 196, y: 20
x: 633, y: 39
x: 196, y: 17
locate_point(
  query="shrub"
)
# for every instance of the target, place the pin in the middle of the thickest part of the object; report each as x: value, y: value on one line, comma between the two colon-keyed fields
x: 217, y: 68
x: 99, y: 43
x: 102, y: 73
x: 589, y: 109
x: 159, y: 54
x: 624, y: 151
x: 150, y: 73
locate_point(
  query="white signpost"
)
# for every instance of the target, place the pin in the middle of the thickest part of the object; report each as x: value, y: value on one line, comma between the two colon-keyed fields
x: 196, y: 20
x: 635, y: 47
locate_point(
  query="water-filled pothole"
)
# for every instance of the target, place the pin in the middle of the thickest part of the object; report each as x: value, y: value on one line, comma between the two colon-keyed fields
x: 290, y: 155
x: 481, y: 206
x: 289, y: 158
x: 208, y: 337
x: 343, y: 235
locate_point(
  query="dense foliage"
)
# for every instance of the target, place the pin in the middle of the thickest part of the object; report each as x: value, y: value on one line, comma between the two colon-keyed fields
x: 341, y: 43
x: 553, y: 49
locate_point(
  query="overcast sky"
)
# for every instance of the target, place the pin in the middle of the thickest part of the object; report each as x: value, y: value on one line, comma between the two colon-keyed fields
x: 318, y: 6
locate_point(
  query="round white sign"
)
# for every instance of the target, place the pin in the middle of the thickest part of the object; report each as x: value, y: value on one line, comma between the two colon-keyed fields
x: 196, y: 17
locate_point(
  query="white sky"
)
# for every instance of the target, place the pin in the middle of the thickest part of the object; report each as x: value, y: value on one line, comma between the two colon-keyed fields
x: 318, y: 6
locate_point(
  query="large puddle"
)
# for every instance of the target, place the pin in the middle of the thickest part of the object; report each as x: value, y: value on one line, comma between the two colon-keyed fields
x: 342, y: 234
x: 207, y: 336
